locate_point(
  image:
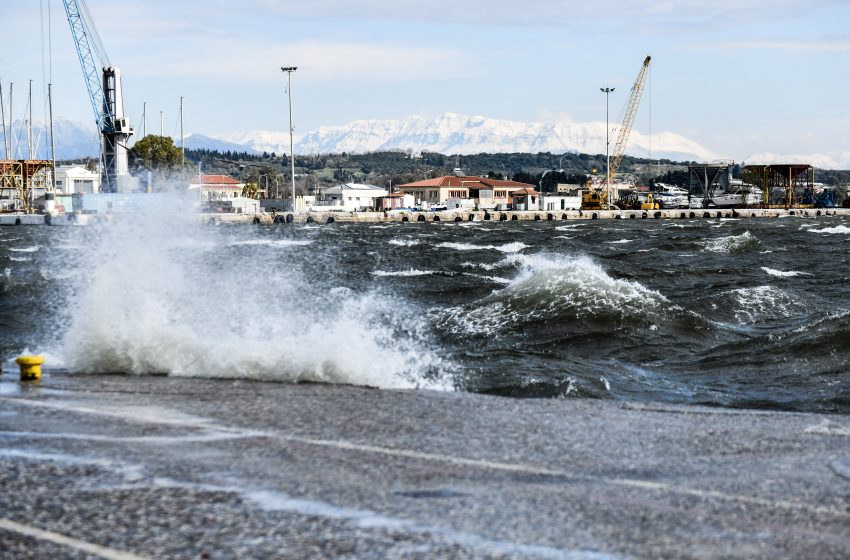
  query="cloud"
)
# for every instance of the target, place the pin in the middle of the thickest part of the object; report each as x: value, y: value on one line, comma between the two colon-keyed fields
x: 628, y: 14
x: 322, y: 61
x: 540, y: 12
x: 813, y: 44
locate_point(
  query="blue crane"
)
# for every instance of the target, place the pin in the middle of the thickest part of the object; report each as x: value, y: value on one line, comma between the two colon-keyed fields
x: 104, y: 88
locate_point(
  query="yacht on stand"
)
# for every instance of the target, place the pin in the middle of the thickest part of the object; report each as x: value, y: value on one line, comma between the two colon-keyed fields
x: 736, y: 197
x: 671, y: 196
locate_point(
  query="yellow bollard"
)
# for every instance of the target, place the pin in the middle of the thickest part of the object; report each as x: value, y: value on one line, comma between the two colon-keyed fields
x: 30, y: 367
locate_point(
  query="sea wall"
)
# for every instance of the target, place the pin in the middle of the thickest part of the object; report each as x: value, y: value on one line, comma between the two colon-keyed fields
x: 449, y: 216
x: 521, y: 216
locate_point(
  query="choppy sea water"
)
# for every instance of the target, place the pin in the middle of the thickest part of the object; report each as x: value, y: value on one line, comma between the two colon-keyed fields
x: 739, y: 313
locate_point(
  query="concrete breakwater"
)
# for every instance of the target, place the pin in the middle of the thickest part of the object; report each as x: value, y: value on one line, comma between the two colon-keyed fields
x: 448, y: 216
x: 523, y: 216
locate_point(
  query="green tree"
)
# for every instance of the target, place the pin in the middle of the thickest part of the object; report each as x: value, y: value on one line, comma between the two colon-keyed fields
x: 155, y: 153
x: 250, y: 190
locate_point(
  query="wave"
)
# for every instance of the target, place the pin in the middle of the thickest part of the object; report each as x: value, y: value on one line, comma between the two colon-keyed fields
x: 557, y: 289
x: 31, y: 249
x: 734, y: 244
x: 404, y: 242
x: 514, y: 247
x: 569, y: 227
x: 619, y: 242
x: 837, y: 229
x: 273, y: 242
x: 494, y: 279
x: 404, y: 273
x: 757, y: 304
x: 784, y: 273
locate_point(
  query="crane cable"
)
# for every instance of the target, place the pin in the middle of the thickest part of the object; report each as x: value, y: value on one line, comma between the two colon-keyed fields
x: 91, y: 29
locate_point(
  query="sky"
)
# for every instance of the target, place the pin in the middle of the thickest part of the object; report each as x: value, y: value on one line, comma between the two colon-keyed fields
x: 737, y: 76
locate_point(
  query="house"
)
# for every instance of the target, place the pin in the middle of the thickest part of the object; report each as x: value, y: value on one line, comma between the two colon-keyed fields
x: 72, y: 179
x: 486, y: 192
x: 394, y: 201
x: 351, y: 197
x: 216, y: 187
x: 525, y: 199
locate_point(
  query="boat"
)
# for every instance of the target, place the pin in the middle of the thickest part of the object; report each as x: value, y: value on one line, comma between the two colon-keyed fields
x: 736, y: 198
x: 670, y: 196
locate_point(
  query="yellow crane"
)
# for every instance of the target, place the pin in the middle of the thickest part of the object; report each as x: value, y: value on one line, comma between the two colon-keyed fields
x: 596, y: 198
x: 628, y: 119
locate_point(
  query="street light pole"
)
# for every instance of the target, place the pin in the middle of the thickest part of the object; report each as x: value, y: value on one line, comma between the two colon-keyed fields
x: 607, y: 92
x: 289, y: 70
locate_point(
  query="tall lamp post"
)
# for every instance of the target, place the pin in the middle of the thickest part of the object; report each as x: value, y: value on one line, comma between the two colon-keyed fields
x: 289, y: 70
x: 607, y: 91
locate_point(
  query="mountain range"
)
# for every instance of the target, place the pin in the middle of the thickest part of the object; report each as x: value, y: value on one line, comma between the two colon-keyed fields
x: 74, y: 140
x: 450, y: 133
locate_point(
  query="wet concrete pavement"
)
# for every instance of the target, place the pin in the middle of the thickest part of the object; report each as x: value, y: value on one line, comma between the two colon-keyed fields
x: 158, y: 467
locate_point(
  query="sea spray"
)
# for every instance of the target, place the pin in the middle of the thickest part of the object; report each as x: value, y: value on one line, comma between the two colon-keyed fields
x: 163, y: 292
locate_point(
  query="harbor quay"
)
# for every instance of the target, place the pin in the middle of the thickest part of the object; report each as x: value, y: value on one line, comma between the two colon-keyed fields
x: 136, y: 467
x: 522, y: 216
x: 445, y: 216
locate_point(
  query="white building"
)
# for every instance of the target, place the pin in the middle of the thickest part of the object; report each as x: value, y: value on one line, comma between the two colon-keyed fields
x: 351, y: 197
x: 561, y: 201
x: 215, y: 187
x: 72, y: 179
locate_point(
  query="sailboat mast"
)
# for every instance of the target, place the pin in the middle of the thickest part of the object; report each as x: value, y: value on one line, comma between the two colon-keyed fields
x: 52, y: 138
x: 182, y: 139
x: 29, y: 124
x: 11, y: 121
x: 3, y: 111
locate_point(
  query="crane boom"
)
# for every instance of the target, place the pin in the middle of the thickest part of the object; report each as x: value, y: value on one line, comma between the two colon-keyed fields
x: 628, y: 119
x: 104, y: 89
x: 91, y: 75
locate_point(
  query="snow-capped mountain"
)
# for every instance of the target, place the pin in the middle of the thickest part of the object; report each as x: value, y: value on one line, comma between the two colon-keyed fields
x: 202, y: 142
x: 74, y: 140
x: 259, y: 141
x: 452, y: 133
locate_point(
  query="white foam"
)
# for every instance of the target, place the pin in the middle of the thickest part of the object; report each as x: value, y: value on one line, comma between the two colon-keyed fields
x: 31, y: 249
x: 274, y: 242
x: 619, y: 242
x: 409, y: 272
x: 837, y: 229
x: 495, y: 279
x: 514, y: 247
x: 148, y: 305
x: 784, y: 273
x: 552, y: 285
x: 404, y: 242
x: 732, y: 243
x: 755, y: 303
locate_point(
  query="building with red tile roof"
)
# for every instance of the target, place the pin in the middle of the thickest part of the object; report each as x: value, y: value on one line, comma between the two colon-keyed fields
x: 214, y: 187
x: 439, y: 190
x: 525, y: 199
